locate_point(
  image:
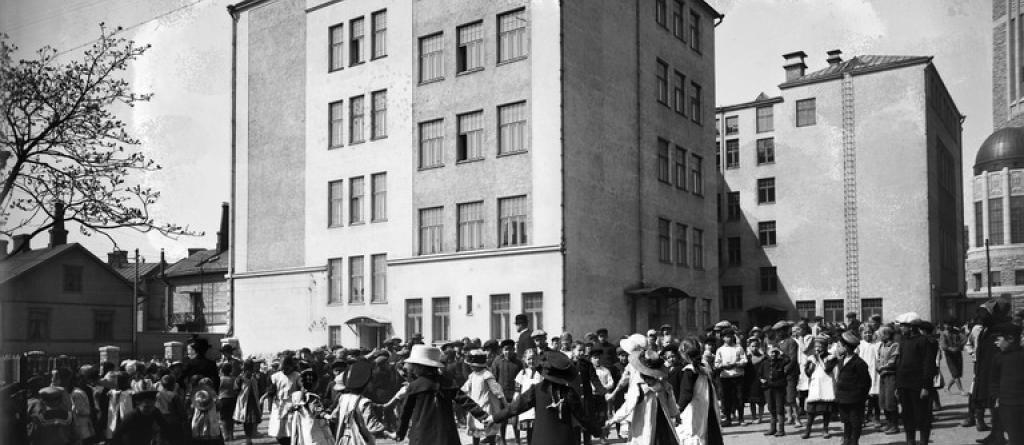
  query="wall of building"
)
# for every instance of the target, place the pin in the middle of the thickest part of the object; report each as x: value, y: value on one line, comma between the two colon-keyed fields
x: 1007, y: 110
x: 281, y: 311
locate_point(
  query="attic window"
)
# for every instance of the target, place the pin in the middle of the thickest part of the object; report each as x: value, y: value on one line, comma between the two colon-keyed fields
x: 72, y: 278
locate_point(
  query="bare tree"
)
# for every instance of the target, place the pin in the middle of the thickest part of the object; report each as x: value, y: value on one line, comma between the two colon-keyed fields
x: 60, y: 141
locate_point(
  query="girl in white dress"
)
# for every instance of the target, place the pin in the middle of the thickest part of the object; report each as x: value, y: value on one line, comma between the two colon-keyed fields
x: 820, y: 387
x: 483, y: 388
x: 524, y: 380
x: 282, y: 383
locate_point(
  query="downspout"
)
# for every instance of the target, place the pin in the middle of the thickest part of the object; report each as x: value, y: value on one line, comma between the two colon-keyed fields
x: 561, y: 153
x: 234, y: 139
x: 639, y: 171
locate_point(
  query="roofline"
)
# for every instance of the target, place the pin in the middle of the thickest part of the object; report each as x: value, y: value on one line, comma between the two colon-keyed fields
x: 74, y: 246
x: 948, y: 93
x: 718, y: 15
x: 244, y: 5
x: 752, y: 104
x: 856, y: 72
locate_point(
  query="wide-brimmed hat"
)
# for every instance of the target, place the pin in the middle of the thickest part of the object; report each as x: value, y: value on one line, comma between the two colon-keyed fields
x: 633, y: 343
x: 538, y: 333
x: 722, y: 324
x: 477, y: 358
x: 850, y: 339
x: 780, y: 325
x: 358, y: 375
x: 425, y: 355
x: 557, y: 368
x: 648, y: 363
x: 909, y: 318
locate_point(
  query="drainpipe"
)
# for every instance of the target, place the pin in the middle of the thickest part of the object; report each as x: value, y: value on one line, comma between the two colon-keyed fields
x: 561, y: 82
x: 639, y: 171
x: 234, y: 140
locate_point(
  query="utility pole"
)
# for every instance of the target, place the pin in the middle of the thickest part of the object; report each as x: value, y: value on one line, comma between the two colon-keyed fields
x: 988, y: 269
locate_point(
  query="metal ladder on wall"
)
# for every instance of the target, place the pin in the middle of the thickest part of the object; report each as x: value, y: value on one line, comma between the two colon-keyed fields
x: 850, y: 197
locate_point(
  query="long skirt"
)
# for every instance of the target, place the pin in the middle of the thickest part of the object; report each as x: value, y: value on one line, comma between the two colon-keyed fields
x: 955, y: 362
x: 887, y: 392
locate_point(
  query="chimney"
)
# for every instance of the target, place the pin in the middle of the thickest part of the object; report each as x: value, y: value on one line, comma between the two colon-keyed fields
x: 834, y: 57
x: 3, y: 249
x: 22, y: 243
x: 222, y: 235
x: 795, y: 66
x: 117, y: 259
x: 58, y: 235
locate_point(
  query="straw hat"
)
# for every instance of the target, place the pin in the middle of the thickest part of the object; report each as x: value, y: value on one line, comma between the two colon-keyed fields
x: 477, y: 358
x: 648, y: 363
x: 425, y: 355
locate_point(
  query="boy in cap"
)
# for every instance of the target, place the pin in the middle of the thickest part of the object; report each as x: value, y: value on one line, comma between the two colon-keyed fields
x: 853, y: 382
x: 774, y: 373
x: 506, y: 368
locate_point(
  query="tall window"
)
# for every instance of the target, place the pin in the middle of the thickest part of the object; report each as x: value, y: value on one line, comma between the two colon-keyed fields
x: 431, y: 230
x: 413, y: 317
x: 664, y: 240
x: 335, y: 275
x: 471, y: 225
x: 977, y: 282
x: 662, y: 82
x: 995, y: 278
x: 38, y: 324
x: 696, y: 99
x: 733, y: 211
x: 663, y: 169
x: 678, y: 24
x: 732, y: 125
x: 679, y: 93
x: 379, y: 274
x: 337, y: 124
x: 734, y: 251
x: 698, y: 249
x: 470, y: 53
x: 379, y: 197
x: 72, y: 278
x: 694, y: 31
x: 732, y: 298
x: 355, y: 280
x: 512, y: 128
x: 380, y: 34
x: 355, y: 41
x: 470, y: 144
x: 806, y: 309
x: 766, y: 233
x: 681, y: 244
x: 441, y: 317
x: 511, y: 35
x: 833, y: 311
x: 1017, y: 220
x: 870, y: 307
x: 379, y: 114
x: 500, y: 326
x: 766, y: 151
x: 705, y: 313
x: 533, y: 307
x: 765, y: 119
x: 337, y: 37
x: 431, y: 57
x: 766, y: 190
x: 697, y: 174
x: 732, y: 153
x: 432, y: 144
x: 805, y: 112
x: 335, y: 202
x: 355, y: 119
x: 769, y: 279
x: 660, y: 12
x: 333, y: 336
x: 995, y: 221
x: 356, y: 190
x: 512, y: 219
x: 979, y: 224
x: 103, y: 325
x: 680, y: 170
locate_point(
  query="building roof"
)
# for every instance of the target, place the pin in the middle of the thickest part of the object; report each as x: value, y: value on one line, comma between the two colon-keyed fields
x: 202, y: 262
x: 1003, y: 148
x: 761, y: 99
x: 128, y: 270
x: 858, y: 65
x: 23, y: 262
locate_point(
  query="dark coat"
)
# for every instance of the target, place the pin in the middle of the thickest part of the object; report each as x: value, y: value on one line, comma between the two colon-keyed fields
x: 915, y: 366
x: 427, y: 416
x: 505, y: 372
x: 1007, y: 379
x: 551, y: 426
x: 525, y: 342
x: 776, y: 372
x: 984, y: 362
x: 852, y: 379
x: 138, y: 428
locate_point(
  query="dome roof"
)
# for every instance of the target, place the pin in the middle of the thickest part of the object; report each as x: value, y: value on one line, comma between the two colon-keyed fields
x: 1003, y: 148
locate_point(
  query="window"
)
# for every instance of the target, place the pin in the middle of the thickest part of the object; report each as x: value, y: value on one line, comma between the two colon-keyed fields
x: 432, y: 58
x: 337, y: 37
x: 500, y: 326
x: 732, y: 153
x: 432, y: 144
x: 38, y: 324
x: 766, y: 191
x: 805, y: 112
x: 379, y: 275
x: 333, y: 336
x: 735, y: 252
x: 833, y: 311
x: 355, y: 120
x: 697, y: 174
x: 681, y: 244
x: 995, y: 278
x: 660, y: 12
x: 72, y: 278
x: 733, y: 211
x: 440, y: 315
x: 679, y: 94
x: 355, y: 200
x: 379, y: 114
x: 355, y: 41
x: 769, y: 279
x: 995, y: 221
x: 765, y: 119
x: 663, y: 171
x: 698, y: 249
x: 1016, y: 219
x: 337, y: 124
x: 355, y: 280
x: 533, y: 307
x: 732, y: 298
x: 766, y: 233
x: 470, y: 144
x: 765, y: 151
x: 379, y: 197
x: 870, y: 307
x: 413, y: 317
x: 662, y: 80
x: 335, y: 202
x: 379, y: 41
x: 470, y: 53
x: 678, y: 24
x: 512, y: 128
x: 680, y: 171
x: 471, y: 225
x: 979, y: 224
x: 664, y: 240
x: 103, y: 325
x: 806, y: 309
x: 695, y: 103
x: 718, y: 153
x: 335, y: 273
x: 512, y: 216
x: 1018, y: 277
x: 977, y: 282
x: 694, y: 31
x: 732, y: 125
x: 431, y: 230
x: 511, y: 36
x: 469, y: 305
x: 705, y: 313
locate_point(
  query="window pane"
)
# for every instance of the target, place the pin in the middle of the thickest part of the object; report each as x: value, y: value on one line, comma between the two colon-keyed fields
x: 512, y: 128
x: 533, y: 307
x: 355, y: 210
x: 680, y: 168
x: 380, y: 29
x: 512, y: 221
x: 379, y: 183
x: 431, y: 229
x: 355, y: 271
x: 696, y: 103
x: 431, y: 57
x: 335, y: 275
x: 870, y: 307
x: 471, y: 225
x: 995, y: 221
x: 511, y: 35
x: 663, y: 169
x: 471, y: 136
x: 732, y: 125
x: 681, y: 244
x: 732, y: 153
x: 431, y: 144
x: 355, y: 115
x: 805, y: 112
x: 698, y: 249
x: 441, y: 319
x: 766, y: 151
x: 833, y: 311
x: 335, y: 203
x: 662, y: 82
x: 470, y: 47
x: 413, y: 317
x: 664, y: 240
x: 356, y: 37
x: 500, y: 326
x: 337, y: 37
x: 337, y: 124
x: 766, y: 233
x: 765, y: 119
x: 697, y: 174
x: 379, y: 116
x: 380, y: 282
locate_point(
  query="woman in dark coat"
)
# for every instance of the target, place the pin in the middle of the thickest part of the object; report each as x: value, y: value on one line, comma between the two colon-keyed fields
x: 427, y: 416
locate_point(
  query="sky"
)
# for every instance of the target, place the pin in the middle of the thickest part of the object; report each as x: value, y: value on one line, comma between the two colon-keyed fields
x: 186, y: 126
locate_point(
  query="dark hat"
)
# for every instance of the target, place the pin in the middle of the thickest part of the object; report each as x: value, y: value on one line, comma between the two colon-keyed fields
x: 200, y: 344
x: 557, y: 368
x: 507, y: 342
x: 477, y: 358
x: 141, y: 396
x: 664, y: 327
x: 227, y: 348
x: 522, y: 319
x: 596, y: 352
x: 602, y: 331
x: 358, y: 375
x: 850, y: 339
x: 490, y: 345
x: 457, y: 344
x: 339, y: 364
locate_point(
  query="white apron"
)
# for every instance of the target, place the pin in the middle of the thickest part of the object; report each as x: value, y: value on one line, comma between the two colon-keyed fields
x: 820, y: 386
x: 869, y: 353
x: 280, y: 406
x: 693, y: 428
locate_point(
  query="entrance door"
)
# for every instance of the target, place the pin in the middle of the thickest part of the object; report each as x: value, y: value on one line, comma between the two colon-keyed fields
x: 371, y: 337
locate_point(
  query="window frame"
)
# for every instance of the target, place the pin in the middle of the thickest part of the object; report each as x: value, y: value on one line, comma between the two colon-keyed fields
x: 765, y: 151
x: 522, y: 125
x: 766, y: 190
x: 663, y: 165
x: 500, y: 315
x: 464, y: 48
x: 336, y: 275
x: 697, y: 174
x: 464, y: 242
x: 336, y: 204
x: 679, y: 20
x: 732, y: 154
x: 767, y: 233
x: 664, y: 241
x: 439, y: 319
x: 734, y: 251
x: 505, y: 221
x: 378, y: 198
x: 679, y: 93
x: 378, y: 124
x: 770, y: 127
x: 733, y: 207
x: 524, y: 43
x: 356, y: 120
x: 355, y: 44
x: 336, y: 124
x: 661, y: 13
x: 698, y: 248
x: 43, y: 317
x: 335, y: 48
x: 109, y: 334
x: 378, y: 279
x: 769, y: 279
x: 696, y: 103
x: 732, y: 125
x: 436, y: 231
x: 695, y: 31
x: 661, y: 81
x: 378, y: 41
x: 681, y: 173
x: 462, y: 137
x: 426, y: 58
x: 72, y: 278
x: 356, y: 281
x: 413, y: 320
x: 356, y: 196
x: 682, y: 251
x: 534, y: 310
x: 434, y: 144
x: 813, y: 110
x: 732, y: 298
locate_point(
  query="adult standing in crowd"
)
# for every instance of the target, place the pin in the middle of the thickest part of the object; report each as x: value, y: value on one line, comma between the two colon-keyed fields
x: 1007, y: 383
x: 525, y: 335
x: 952, y: 343
x: 915, y: 371
x: 991, y: 313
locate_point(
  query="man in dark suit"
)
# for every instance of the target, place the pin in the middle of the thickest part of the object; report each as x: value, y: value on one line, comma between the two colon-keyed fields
x: 525, y: 339
x: 852, y: 385
x: 915, y: 369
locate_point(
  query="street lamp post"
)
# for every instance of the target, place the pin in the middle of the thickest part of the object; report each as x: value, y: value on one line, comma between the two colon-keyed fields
x: 988, y: 269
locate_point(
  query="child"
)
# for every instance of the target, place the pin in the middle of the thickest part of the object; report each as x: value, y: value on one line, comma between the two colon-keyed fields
x: 427, y: 415
x: 731, y: 360
x: 248, y: 411
x: 868, y: 351
x: 120, y: 402
x: 604, y: 376
x: 227, y: 395
x: 774, y: 374
x: 205, y: 418
x: 754, y: 393
x: 650, y: 404
x: 820, y: 387
x: 308, y: 423
x: 353, y: 411
x: 484, y: 390
x: 524, y: 380
x: 169, y: 403
x: 885, y: 362
x: 852, y: 384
